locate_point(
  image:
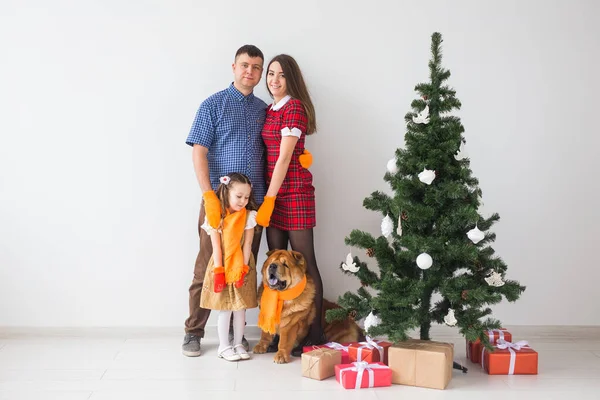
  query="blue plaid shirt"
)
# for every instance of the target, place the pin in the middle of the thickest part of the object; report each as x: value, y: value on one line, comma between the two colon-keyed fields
x: 229, y: 125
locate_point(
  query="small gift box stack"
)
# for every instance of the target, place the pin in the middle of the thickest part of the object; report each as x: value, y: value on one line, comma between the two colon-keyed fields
x: 506, y: 358
x: 355, y: 365
x: 414, y: 362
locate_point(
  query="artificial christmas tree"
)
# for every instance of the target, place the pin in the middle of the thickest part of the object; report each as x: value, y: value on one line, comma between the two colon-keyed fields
x: 433, y: 240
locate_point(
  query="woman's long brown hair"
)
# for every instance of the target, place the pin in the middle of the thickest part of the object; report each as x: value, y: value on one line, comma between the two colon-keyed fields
x: 296, y: 88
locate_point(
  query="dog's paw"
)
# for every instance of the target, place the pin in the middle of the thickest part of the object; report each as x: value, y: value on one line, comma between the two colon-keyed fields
x: 260, y: 348
x: 281, y: 357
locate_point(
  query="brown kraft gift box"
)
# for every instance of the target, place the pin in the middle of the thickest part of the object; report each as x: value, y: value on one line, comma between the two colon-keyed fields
x: 421, y: 363
x: 320, y: 364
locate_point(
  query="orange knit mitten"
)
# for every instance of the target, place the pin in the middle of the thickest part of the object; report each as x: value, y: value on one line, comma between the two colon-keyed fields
x: 306, y: 159
x: 263, y: 216
x: 219, y: 279
x: 240, y: 282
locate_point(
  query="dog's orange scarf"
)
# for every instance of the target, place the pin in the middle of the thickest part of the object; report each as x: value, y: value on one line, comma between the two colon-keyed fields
x: 233, y: 256
x: 271, y: 304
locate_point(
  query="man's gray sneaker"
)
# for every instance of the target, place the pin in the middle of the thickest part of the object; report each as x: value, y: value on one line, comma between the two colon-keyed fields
x: 191, y: 345
x: 244, y: 341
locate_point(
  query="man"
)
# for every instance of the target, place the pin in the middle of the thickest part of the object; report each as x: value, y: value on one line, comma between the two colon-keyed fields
x: 226, y: 137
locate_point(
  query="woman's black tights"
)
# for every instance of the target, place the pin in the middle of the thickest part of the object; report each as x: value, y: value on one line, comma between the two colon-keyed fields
x: 302, y: 242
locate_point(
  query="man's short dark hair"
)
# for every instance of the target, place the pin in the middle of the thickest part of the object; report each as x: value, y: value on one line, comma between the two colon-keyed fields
x: 251, y: 50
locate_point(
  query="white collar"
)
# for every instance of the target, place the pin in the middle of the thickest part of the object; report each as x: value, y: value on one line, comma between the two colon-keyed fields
x: 281, y: 103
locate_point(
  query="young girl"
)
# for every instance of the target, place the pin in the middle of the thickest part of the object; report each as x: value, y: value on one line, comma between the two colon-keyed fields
x: 230, y: 280
x: 289, y: 206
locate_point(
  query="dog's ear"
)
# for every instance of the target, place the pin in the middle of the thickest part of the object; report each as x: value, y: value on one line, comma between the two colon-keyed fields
x: 270, y: 252
x: 298, y: 257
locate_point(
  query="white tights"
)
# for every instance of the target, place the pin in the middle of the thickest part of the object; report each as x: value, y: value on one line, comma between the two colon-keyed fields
x: 239, y: 321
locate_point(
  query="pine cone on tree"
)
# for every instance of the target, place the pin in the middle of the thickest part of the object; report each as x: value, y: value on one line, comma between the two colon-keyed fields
x: 352, y: 314
x: 404, y: 216
x: 464, y: 294
x: 370, y: 252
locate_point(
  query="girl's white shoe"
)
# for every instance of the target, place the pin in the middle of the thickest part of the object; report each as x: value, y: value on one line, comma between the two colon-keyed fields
x: 229, y: 354
x: 241, y: 352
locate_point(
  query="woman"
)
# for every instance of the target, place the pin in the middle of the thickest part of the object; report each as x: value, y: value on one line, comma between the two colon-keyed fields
x: 289, y: 205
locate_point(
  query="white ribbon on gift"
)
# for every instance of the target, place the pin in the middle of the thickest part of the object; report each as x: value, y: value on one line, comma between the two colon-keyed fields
x: 369, y: 344
x: 360, y: 367
x: 336, y: 346
x: 492, y: 337
x: 503, y: 344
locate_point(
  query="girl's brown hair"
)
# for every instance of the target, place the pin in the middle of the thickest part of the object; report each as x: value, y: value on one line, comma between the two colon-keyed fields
x: 223, y: 192
x: 296, y: 88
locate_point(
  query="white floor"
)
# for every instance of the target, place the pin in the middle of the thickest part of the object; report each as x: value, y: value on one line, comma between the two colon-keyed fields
x: 117, y: 364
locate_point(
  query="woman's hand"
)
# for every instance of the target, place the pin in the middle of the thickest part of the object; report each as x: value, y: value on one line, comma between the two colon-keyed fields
x: 263, y: 216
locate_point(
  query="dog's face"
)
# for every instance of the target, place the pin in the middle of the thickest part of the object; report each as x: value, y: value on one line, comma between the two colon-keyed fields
x: 283, y: 269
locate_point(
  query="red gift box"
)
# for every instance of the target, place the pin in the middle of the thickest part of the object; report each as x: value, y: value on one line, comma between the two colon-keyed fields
x: 342, y: 347
x: 369, y: 351
x: 474, y: 348
x: 363, y: 375
x: 510, y: 359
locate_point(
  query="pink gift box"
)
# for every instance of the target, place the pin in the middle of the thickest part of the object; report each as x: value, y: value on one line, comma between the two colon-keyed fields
x: 361, y: 374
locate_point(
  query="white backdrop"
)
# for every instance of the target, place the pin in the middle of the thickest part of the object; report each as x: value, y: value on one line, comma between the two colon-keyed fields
x: 98, y: 200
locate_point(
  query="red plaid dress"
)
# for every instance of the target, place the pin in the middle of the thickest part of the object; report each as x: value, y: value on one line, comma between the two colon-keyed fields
x: 295, y: 203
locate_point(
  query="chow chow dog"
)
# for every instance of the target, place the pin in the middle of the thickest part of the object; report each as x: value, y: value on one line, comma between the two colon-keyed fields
x: 282, y: 271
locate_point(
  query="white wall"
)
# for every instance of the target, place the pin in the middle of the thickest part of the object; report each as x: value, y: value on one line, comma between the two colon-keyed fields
x: 98, y: 201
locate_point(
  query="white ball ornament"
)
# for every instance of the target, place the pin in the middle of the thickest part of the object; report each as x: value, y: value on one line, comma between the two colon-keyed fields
x: 391, y: 166
x: 424, y: 261
x: 475, y: 235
